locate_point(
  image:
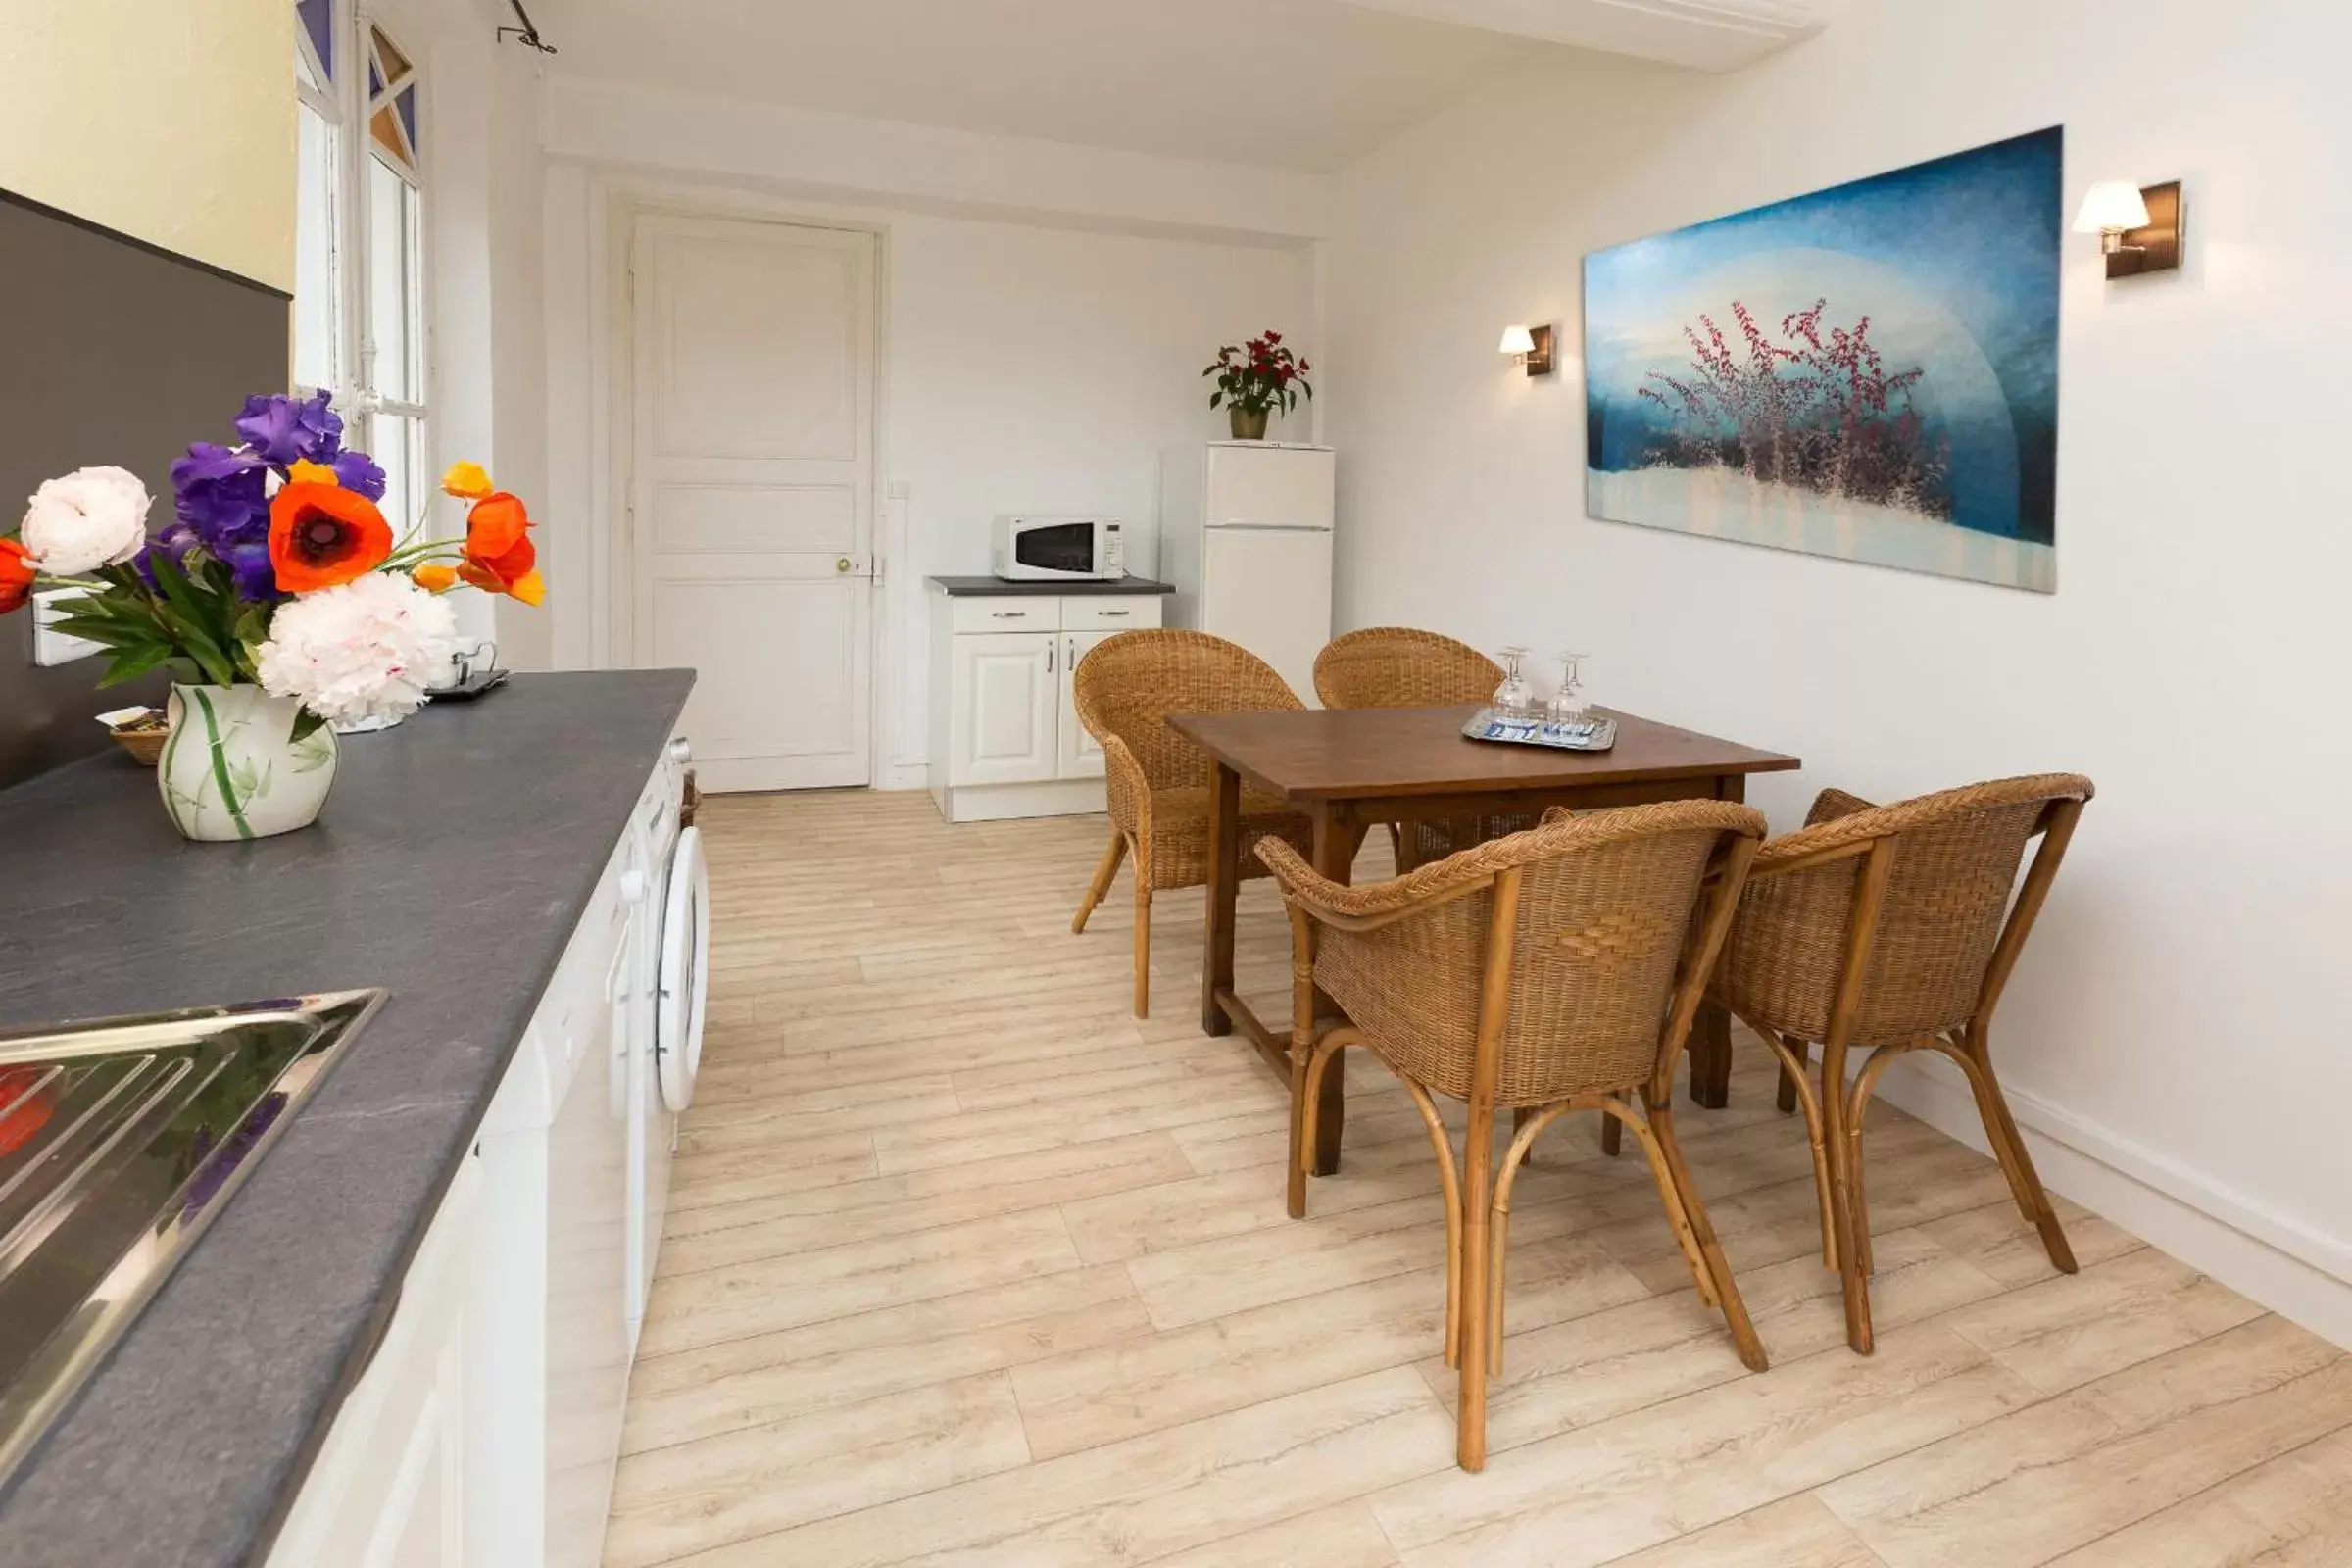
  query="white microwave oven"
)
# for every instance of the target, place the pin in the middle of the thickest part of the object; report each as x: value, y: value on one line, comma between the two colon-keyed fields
x: 1035, y: 549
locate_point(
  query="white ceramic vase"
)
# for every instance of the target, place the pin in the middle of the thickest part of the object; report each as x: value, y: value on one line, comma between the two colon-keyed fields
x: 233, y: 769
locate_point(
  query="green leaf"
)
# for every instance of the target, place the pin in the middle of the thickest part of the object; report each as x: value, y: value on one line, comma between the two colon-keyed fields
x: 186, y: 613
x: 131, y: 663
x: 305, y: 725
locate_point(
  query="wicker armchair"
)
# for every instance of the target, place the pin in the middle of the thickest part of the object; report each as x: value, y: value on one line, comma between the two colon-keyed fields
x: 1553, y: 970
x: 1891, y: 929
x: 1124, y: 691
x: 1401, y: 666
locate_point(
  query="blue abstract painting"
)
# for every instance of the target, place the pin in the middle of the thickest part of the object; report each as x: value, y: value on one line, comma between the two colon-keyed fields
x: 1870, y: 371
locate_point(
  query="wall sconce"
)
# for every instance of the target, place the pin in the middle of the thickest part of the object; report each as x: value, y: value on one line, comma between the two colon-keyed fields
x: 2138, y: 228
x: 1530, y: 346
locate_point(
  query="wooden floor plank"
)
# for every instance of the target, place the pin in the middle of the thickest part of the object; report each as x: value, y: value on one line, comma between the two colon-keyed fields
x: 966, y: 1264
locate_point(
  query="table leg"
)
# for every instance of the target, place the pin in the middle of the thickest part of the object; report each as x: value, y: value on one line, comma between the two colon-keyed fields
x: 1711, y: 1029
x: 1711, y: 1056
x: 1336, y: 843
x: 1224, y: 887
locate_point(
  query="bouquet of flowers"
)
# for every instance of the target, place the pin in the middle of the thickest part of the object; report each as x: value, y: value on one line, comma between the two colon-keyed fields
x: 1257, y: 376
x: 277, y: 571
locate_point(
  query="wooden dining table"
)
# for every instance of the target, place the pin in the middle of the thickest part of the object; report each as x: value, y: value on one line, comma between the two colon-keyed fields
x: 1349, y: 770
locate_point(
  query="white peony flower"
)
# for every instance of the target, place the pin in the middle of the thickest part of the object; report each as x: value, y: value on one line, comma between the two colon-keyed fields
x: 362, y: 651
x: 88, y: 519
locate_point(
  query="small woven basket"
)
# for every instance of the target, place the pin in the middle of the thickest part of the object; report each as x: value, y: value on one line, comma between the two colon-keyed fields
x: 146, y: 746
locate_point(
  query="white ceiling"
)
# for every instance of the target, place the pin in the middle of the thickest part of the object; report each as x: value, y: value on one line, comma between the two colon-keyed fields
x: 1307, y: 84
x: 1301, y: 84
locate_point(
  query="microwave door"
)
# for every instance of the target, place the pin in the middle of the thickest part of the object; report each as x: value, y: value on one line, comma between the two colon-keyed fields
x: 1065, y: 549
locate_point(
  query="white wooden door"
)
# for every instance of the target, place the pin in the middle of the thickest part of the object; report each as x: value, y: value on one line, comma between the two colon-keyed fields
x: 751, y: 492
x: 1081, y: 754
x: 1006, y: 701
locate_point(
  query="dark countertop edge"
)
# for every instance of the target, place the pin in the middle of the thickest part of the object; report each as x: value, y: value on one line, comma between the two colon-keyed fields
x: 669, y: 698
x: 998, y: 587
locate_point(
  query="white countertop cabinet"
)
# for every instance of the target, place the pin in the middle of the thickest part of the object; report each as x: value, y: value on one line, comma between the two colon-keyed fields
x: 1006, y: 739
x: 485, y: 1429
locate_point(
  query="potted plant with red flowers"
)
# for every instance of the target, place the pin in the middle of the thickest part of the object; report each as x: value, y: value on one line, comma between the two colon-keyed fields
x: 1254, y: 380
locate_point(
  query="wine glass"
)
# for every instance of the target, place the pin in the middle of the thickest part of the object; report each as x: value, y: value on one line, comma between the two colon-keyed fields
x: 1568, y: 705
x: 1514, y: 698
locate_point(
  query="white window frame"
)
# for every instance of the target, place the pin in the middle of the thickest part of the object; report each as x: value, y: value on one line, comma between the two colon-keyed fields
x: 349, y: 106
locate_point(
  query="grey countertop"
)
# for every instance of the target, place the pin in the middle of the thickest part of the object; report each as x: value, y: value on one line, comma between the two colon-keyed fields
x: 993, y: 587
x: 453, y: 860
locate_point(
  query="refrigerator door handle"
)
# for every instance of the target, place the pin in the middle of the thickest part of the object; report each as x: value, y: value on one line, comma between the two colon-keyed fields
x: 1270, y: 528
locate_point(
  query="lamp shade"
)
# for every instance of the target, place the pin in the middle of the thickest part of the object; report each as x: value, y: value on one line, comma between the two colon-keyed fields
x: 1518, y: 341
x: 2110, y: 204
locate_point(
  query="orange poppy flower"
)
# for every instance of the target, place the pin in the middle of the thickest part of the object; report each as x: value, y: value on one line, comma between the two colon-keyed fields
x: 500, y: 557
x: 322, y: 536
x: 16, y: 576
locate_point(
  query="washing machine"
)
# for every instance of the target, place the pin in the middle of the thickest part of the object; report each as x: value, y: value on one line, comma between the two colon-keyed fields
x: 671, y: 985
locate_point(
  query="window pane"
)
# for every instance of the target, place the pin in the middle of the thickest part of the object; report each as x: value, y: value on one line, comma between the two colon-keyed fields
x: 399, y: 450
x: 318, y: 25
x: 392, y: 287
x: 314, y: 250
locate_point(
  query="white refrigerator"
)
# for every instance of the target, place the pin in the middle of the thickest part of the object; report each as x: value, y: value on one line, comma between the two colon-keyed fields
x: 1245, y: 532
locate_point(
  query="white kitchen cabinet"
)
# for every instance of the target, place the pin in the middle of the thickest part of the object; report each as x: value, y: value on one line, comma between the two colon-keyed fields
x: 1005, y: 705
x: 389, y: 1489
x: 1081, y: 754
x: 1006, y: 739
x: 485, y: 1429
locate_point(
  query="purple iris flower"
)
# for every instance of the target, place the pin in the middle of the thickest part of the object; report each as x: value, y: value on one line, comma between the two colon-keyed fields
x: 284, y: 430
x: 221, y: 492
x: 356, y: 471
x: 248, y: 564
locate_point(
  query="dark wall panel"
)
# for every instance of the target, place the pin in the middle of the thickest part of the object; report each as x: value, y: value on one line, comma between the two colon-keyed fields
x: 111, y: 351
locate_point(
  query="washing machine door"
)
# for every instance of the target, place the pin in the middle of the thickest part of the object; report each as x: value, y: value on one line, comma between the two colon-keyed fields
x: 684, y: 982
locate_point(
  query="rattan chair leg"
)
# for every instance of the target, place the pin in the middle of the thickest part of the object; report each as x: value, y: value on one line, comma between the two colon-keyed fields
x: 1855, y: 1283
x: 1787, y: 1097
x: 1612, y: 1137
x: 2009, y: 1147
x: 1857, y: 1186
x: 1677, y: 1218
x: 1795, y: 1061
x: 1450, y: 1179
x: 1100, y: 885
x: 1306, y: 1109
x: 1478, y: 1163
x: 1745, y: 1340
x: 1143, y: 942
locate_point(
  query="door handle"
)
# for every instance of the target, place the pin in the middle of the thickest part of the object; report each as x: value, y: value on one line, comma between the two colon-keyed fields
x: 843, y: 564
x: 1111, y: 614
x: 1048, y: 659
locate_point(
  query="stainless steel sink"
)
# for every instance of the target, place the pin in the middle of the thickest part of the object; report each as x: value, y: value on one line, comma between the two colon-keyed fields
x: 119, y: 1142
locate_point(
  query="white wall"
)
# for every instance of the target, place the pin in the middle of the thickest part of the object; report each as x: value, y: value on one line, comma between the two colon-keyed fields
x: 171, y: 122
x: 2163, y: 1034
x: 1032, y: 359
x: 484, y: 187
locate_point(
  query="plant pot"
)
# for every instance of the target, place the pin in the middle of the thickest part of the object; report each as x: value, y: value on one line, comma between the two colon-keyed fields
x: 233, y: 769
x: 1249, y: 424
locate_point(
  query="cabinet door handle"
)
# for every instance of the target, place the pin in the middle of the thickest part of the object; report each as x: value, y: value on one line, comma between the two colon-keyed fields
x: 1112, y: 614
x: 1048, y: 659
x: 1008, y: 614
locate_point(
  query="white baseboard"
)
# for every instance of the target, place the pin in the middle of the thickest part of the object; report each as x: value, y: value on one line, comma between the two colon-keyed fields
x: 904, y: 776
x: 2297, y: 1271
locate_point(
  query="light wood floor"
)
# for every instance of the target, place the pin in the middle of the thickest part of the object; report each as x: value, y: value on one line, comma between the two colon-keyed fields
x: 966, y: 1266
